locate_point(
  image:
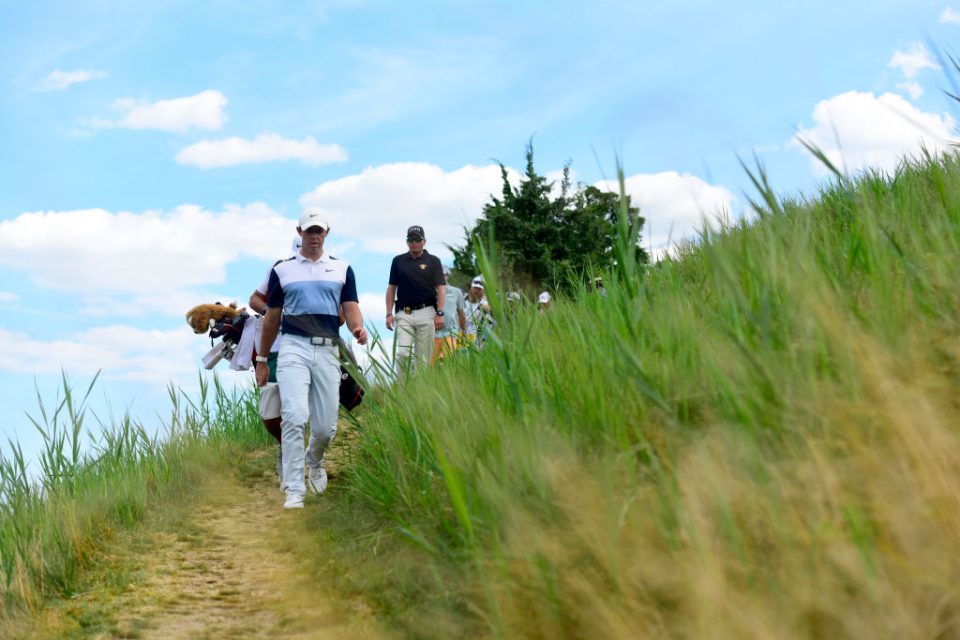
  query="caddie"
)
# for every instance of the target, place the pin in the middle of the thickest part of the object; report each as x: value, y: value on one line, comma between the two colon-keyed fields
x: 416, y: 292
x: 270, y: 393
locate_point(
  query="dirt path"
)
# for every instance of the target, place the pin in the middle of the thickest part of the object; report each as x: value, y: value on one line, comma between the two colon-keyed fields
x: 228, y: 570
x: 237, y: 576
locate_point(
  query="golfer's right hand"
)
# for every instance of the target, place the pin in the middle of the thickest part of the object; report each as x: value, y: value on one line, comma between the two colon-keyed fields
x: 390, y: 320
x: 263, y: 373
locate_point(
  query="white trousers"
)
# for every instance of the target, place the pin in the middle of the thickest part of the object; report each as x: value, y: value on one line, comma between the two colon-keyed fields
x: 415, y: 333
x: 309, y: 379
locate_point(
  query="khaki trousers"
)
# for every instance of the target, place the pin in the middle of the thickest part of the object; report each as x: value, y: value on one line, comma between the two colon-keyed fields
x: 415, y: 333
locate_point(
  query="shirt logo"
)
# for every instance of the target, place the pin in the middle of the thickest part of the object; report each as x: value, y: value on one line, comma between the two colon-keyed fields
x: 423, y: 267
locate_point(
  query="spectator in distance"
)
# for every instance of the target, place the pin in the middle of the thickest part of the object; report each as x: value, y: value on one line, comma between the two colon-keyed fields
x: 447, y: 339
x: 544, y: 300
x: 477, y: 311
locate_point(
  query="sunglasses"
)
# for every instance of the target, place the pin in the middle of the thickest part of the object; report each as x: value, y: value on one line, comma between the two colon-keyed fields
x: 411, y: 239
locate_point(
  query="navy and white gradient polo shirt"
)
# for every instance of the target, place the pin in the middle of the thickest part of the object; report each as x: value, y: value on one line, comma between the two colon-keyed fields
x: 310, y: 294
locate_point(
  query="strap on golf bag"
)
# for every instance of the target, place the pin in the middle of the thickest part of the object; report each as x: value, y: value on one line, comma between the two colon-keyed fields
x: 351, y: 393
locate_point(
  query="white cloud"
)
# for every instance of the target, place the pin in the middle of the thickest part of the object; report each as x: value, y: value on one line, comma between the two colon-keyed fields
x: 375, y: 207
x: 912, y: 88
x: 201, y: 111
x: 59, y: 80
x: 373, y: 306
x: 267, y: 147
x: 912, y: 62
x: 151, y: 255
x: 7, y: 297
x: 122, y: 352
x: 675, y: 205
x: 857, y: 130
x: 950, y: 16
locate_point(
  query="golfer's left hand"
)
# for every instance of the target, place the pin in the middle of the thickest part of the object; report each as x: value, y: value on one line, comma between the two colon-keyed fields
x: 262, y: 373
x: 437, y: 323
x: 360, y: 334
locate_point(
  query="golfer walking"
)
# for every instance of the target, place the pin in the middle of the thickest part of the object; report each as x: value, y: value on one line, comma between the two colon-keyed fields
x: 308, y: 290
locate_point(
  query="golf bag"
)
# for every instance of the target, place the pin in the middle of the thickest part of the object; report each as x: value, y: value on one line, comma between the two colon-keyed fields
x: 351, y: 393
x: 229, y: 331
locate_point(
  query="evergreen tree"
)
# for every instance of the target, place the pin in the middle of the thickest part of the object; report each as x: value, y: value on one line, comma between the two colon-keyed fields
x: 544, y: 233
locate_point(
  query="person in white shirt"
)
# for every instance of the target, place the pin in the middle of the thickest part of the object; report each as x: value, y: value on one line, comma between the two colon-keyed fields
x: 477, y: 311
x: 544, y: 301
x: 307, y: 293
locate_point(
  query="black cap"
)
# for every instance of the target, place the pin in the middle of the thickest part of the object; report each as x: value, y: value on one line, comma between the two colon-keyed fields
x: 416, y: 231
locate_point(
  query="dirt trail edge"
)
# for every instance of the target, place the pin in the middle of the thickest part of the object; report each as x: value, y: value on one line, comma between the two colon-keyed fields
x: 230, y: 570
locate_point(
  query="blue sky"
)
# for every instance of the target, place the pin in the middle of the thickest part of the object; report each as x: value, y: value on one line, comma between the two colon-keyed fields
x: 156, y: 155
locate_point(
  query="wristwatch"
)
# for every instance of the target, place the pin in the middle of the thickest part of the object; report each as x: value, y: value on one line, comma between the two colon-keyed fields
x: 440, y: 312
x: 260, y: 359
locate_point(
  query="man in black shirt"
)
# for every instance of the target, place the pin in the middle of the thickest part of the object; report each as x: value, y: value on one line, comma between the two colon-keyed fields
x: 415, y: 297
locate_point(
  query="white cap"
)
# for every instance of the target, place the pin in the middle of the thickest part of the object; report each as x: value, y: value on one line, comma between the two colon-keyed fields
x: 313, y: 217
x: 544, y: 298
x: 295, y: 245
x: 446, y: 269
x: 477, y: 282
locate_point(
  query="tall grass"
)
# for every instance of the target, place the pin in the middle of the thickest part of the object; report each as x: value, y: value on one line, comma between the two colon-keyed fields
x: 53, y: 522
x: 756, y: 438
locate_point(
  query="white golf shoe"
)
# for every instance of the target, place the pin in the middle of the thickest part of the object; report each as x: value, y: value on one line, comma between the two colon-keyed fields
x: 293, y: 501
x: 317, y: 479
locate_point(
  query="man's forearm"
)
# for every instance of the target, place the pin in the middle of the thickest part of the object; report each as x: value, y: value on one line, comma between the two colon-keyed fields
x: 441, y: 296
x: 354, y: 316
x: 258, y: 303
x: 391, y: 292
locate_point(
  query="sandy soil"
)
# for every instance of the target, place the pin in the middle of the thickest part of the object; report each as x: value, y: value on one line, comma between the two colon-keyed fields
x: 231, y: 571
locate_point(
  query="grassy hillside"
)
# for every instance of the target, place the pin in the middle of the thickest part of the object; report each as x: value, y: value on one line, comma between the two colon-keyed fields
x: 54, y: 525
x: 758, y: 439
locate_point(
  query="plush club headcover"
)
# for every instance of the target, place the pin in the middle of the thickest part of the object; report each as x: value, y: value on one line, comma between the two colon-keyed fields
x: 204, y: 316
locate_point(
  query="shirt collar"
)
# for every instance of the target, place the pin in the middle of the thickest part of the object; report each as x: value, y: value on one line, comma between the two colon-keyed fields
x: 323, y: 258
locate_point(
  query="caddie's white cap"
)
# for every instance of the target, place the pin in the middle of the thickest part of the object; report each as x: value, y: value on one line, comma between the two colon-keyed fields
x: 313, y: 217
x: 544, y: 298
x: 295, y: 245
x: 477, y: 282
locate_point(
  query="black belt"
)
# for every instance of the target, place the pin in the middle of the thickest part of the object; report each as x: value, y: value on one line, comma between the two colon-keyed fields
x: 408, y: 309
